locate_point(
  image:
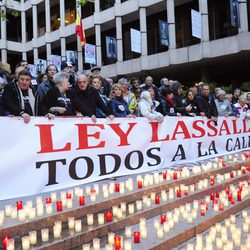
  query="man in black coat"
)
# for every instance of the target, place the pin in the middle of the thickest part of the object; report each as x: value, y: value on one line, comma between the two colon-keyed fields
x: 87, y: 99
x: 206, y: 104
x: 19, y: 97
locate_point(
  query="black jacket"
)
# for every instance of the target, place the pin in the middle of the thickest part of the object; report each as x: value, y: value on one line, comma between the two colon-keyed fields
x: 207, y: 105
x: 54, y: 98
x: 12, y: 99
x: 194, y: 105
x: 87, y: 101
x: 167, y: 108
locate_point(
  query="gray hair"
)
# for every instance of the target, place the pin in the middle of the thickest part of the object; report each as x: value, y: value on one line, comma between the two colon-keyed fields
x: 220, y: 92
x: 60, y: 77
x: 123, y: 81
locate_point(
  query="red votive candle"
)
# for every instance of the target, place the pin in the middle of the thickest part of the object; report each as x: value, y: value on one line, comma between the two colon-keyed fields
x: 19, y: 205
x: 139, y: 184
x: 231, y: 174
x: 212, y: 196
x: 211, y: 181
x: 81, y: 200
x: 108, y: 216
x: 136, y: 237
x: 230, y: 196
x: 157, y: 199
x: 163, y: 218
x: 48, y: 200
x: 164, y: 174
x: 178, y: 192
x: 5, y: 241
x: 117, y: 242
x: 221, y: 207
x: 186, y: 192
x: 224, y: 164
x: 232, y: 201
x: 227, y: 190
x: 243, y: 170
x: 175, y: 175
x: 203, y: 212
x: 117, y: 187
x: 239, y: 196
x: 59, y: 206
x: 68, y: 196
x: 217, y: 194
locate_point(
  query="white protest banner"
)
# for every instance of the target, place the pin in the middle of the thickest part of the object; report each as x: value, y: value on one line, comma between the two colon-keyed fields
x: 90, y: 53
x: 135, y: 36
x: 46, y: 155
x: 55, y: 59
x: 196, y: 23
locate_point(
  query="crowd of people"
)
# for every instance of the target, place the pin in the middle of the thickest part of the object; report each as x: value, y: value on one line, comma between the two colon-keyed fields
x: 87, y: 94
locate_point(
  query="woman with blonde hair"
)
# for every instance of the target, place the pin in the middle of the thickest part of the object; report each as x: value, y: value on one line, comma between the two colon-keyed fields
x: 119, y: 106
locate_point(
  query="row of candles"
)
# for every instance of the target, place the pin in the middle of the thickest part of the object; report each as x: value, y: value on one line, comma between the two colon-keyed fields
x: 189, y: 212
x: 21, y: 212
x: 67, y: 197
x: 219, y: 235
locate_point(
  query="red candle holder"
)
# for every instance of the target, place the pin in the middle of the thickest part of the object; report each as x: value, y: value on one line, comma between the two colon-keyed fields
x: 212, y: 181
x: 243, y: 170
x: 137, y: 237
x: 108, y: 216
x: 117, y: 242
x: 175, y: 176
x: 186, y: 192
x: 203, y: 212
x: 157, y: 199
x: 230, y: 196
x: 48, y: 200
x: 68, y: 196
x: 212, y: 196
x: 117, y: 187
x: 227, y: 190
x: 217, y: 194
x: 139, y: 184
x: 232, y: 201
x: 164, y: 174
x: 59, y: 206
x: 19, y: 205
x: 239, y: 198
x: 163, y: 218
x: 5, y: 241
x: 221, y: 207
x: 178, y: 192
x: 231, y: 174
x: 81, y: 200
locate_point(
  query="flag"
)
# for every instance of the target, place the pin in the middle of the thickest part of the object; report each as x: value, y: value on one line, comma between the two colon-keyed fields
x: 80, y: 30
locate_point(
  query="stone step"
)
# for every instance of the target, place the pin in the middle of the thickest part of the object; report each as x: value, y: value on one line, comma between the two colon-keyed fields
x: 22, y: 228
x: 71, y: 240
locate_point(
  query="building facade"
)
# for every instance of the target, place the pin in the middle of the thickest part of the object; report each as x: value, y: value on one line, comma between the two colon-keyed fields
x: 46, y: 27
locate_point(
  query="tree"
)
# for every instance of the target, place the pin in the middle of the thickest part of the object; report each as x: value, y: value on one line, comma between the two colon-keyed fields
x: 9, y: 4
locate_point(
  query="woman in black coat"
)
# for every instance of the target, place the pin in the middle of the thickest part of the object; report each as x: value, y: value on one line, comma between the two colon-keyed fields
x: 191, y: 100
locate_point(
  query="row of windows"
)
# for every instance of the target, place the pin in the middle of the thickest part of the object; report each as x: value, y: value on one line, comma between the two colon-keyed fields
x: 218, y: 15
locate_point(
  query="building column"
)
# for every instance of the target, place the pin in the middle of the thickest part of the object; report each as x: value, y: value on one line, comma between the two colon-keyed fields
x: 118, y: 21
x: 4, y: 36
x: 62, y: 24
x: 79, y: 44
x: 47, y: 16
x: 97, y: 5
x: 48, y: 51
x: 23, y: 28
x: 34, y: 15
x: 98, y: 44
x: 35, y: 54
x: 171, y: 23
x: 203, y: 8
x: 243, y: 16
x: 143, y: 28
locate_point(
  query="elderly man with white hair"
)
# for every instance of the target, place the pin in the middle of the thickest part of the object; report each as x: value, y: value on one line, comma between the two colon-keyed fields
x: 222, y: 104
x: 145, y: 106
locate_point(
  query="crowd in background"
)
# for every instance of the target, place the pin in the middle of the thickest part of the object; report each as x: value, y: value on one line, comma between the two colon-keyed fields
x: 87, y: 94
